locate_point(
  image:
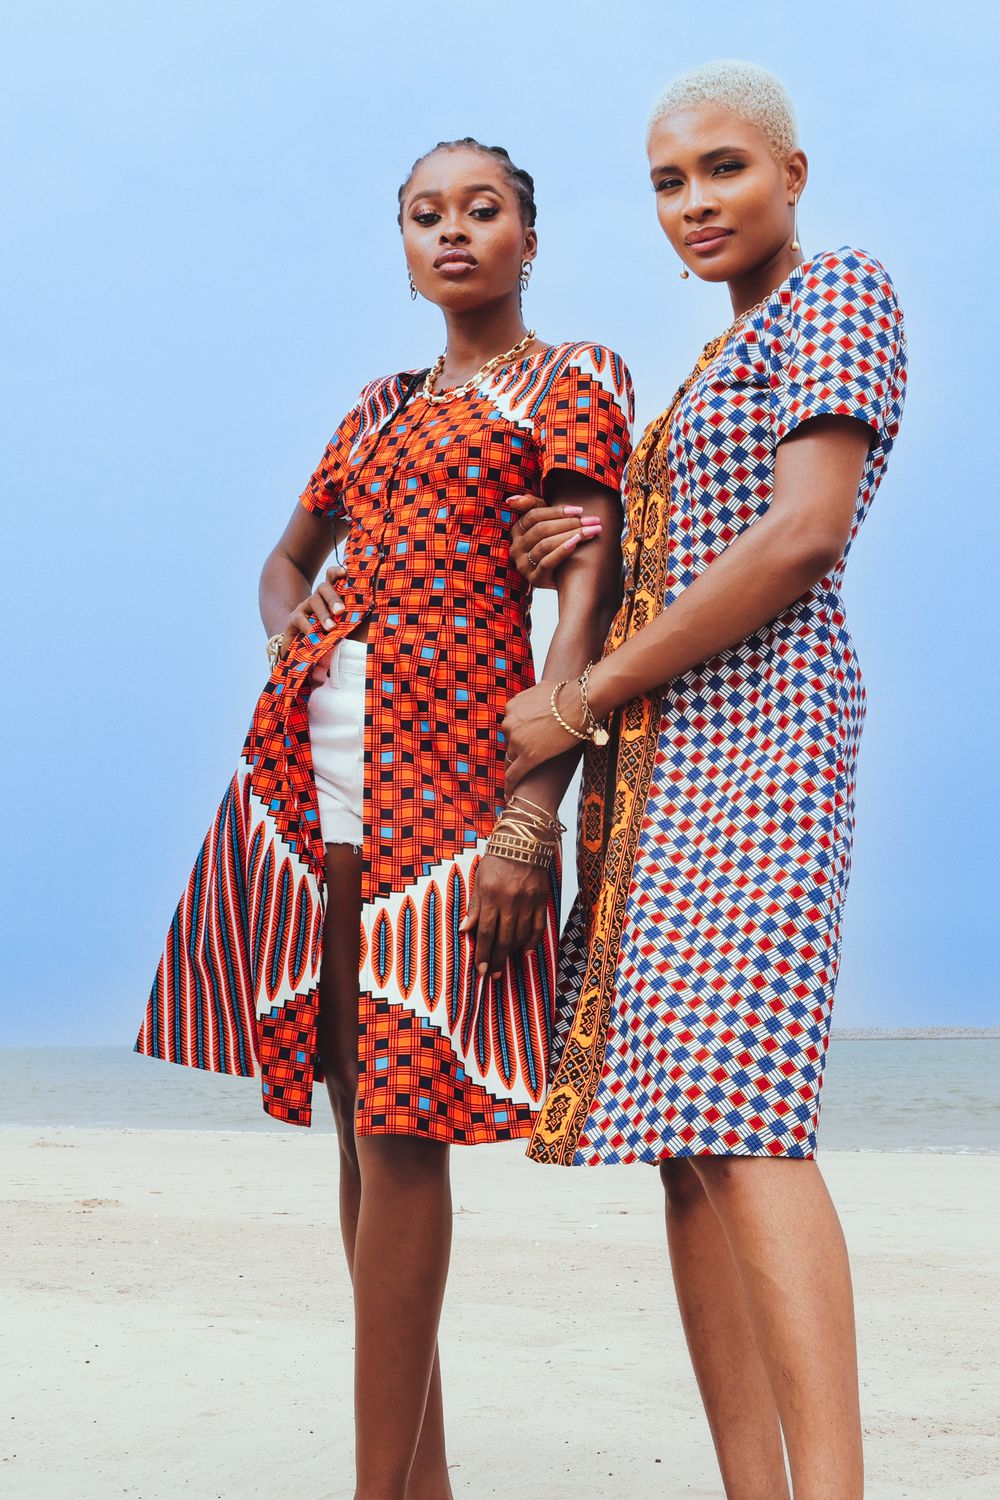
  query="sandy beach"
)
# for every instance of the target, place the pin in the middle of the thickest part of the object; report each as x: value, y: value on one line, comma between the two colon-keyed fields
x: 177, y: 1323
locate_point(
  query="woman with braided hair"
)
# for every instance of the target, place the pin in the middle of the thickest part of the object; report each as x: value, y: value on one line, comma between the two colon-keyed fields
x: 365, y: 832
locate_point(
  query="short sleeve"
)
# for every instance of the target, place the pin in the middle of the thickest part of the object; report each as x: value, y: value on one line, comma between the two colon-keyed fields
x: 323, y: 495
x: 584, y: 417
x: 841, y: 351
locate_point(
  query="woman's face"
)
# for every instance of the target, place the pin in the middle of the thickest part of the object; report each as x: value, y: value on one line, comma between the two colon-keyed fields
x: 463, y: 234
x: 723, y: 201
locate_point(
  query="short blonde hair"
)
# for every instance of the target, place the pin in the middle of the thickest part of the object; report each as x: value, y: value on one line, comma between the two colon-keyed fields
x: 743, y: 87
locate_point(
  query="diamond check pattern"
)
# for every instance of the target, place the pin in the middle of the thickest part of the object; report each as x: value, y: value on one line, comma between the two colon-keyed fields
x: 731, y: 937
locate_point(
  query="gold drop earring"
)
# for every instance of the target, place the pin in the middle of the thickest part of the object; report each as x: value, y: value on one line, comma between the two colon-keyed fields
x: 795, y: 222
x: 685, y: 273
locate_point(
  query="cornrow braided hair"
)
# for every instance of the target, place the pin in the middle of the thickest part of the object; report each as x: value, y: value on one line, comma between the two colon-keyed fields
x: 521, y: 181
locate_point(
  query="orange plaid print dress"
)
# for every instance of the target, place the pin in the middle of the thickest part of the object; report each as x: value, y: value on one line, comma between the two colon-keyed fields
x: 422, y: 488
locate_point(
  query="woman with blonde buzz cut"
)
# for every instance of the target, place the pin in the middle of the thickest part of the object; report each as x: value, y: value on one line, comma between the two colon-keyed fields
x: 717, y: 814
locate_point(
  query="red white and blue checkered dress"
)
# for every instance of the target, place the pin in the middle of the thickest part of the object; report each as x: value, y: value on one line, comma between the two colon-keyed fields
x: 699, y: 962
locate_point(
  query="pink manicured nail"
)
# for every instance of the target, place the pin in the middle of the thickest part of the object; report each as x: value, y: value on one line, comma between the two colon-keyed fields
x: 571, y: 542
x: 589, y: 531
x: 591, y: 521
x: 572, y: 510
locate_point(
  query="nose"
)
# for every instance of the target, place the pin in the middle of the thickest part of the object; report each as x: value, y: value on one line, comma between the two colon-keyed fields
x: 700, y: 203
x: 453, y: 234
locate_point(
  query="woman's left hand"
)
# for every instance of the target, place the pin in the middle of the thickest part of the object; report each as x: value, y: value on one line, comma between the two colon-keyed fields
x: 533, y: 733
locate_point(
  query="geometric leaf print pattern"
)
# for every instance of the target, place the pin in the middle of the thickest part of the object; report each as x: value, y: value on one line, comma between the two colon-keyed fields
x: 421, y: 491
x: 479, y: 1049
x: 730, y: 942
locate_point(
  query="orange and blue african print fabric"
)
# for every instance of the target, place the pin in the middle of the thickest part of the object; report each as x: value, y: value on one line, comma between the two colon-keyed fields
x: 422, y: 489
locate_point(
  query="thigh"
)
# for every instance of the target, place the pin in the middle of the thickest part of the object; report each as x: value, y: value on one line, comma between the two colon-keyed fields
x: 338, y: 987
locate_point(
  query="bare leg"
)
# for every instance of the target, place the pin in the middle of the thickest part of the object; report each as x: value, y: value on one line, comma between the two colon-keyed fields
x: 731, y: 1375
x: 791, y: 1260
x: 400, y: 1270
x: 338, y: 1048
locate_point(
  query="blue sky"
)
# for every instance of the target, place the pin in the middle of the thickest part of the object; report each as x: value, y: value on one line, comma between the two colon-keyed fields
x: 203, y: 268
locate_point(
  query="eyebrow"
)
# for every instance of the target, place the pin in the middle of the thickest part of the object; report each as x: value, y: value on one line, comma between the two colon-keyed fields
x: 706, y: 156
x: 471, y: 190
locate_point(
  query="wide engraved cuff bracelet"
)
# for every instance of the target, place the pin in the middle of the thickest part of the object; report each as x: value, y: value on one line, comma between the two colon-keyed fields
x: 525, y: 851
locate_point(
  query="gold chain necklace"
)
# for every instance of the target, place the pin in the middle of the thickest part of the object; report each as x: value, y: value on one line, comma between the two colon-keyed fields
x: 433, y: 375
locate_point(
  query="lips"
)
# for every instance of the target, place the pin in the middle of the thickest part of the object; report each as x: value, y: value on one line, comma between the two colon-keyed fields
x: 453, y: 260
x: 701, y: 241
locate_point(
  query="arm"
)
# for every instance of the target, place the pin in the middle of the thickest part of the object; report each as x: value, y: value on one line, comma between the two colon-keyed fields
x: 588, y: 584
x: 286, y: 580
x: 316, y: 524
x: 508, y: 905
x: 773, y: 563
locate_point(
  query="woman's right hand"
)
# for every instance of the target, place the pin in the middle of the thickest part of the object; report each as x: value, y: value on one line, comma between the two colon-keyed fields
x: 322, y: 605
x: 545, y: 535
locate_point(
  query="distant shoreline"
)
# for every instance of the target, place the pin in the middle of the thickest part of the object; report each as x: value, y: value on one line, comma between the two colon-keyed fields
x: 838, y: 1034
x: 916, y: 1034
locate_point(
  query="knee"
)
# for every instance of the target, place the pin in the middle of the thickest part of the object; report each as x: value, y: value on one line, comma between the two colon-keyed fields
x: 725, y: 1176
x: 681, y: 1185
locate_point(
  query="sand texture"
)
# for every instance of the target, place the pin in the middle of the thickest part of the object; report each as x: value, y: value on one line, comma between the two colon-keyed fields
x: 177, y: 1324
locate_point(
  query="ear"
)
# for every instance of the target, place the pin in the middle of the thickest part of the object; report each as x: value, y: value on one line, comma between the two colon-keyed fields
x: 530, y: 245
x: 796, y: 172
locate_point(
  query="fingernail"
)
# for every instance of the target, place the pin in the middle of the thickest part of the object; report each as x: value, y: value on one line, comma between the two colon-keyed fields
x: 327, y: 623
x: 482, y: 969
x: 572, y: 510
x: 571, y: 542
x: 591, y: 521
x: 496, y: 975
x: 590, y: 531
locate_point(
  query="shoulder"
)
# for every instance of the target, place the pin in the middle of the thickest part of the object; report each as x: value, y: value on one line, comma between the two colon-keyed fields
x: 380, y: 398
x: 592, y: 359
x: 583, y: 362
x: 844, y: 278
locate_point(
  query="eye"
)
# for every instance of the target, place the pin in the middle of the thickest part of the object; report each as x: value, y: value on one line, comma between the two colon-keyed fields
x: 426, y: 217
x: 665, y: 184
x: 729, y: 166
x: 485, y: 211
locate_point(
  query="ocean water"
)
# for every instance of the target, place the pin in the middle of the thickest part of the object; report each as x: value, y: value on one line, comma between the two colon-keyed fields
x: 921, y: 1095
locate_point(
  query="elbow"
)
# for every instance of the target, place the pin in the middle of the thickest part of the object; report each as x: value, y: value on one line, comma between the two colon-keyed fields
x: 814, y: 554
x: 277, y: 556
x: 592, y: 610
x: 607, y: 598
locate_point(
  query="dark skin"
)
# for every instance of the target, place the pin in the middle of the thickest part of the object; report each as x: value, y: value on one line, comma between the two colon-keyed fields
x: 465, y: 241
x: 760, y: 1267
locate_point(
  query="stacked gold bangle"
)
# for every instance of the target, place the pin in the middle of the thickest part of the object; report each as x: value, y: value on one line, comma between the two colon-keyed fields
x: 592, y: 729
x: 526, y: 833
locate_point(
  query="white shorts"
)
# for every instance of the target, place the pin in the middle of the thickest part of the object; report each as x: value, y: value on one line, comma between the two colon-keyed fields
x: 337, y: 738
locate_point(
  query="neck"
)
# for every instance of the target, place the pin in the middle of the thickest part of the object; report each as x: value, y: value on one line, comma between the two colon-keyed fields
x: 747, y: 291
x: 475, y: 336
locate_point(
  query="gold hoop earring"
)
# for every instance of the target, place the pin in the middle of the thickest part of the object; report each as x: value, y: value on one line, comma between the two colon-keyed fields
x: 525, y: 276
x: 795, y: 223
x: 413, y: 286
